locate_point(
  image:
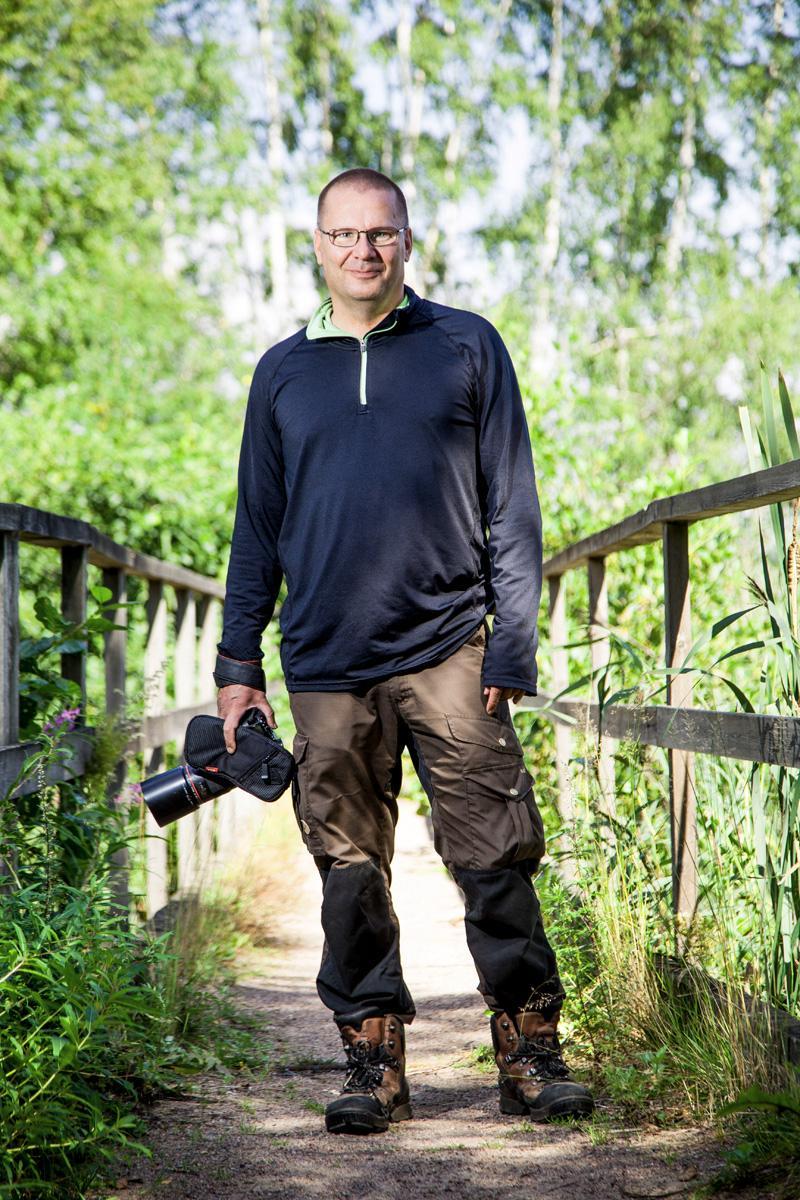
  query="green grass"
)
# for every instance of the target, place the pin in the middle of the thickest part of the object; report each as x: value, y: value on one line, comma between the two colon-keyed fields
x: 671, y: 1038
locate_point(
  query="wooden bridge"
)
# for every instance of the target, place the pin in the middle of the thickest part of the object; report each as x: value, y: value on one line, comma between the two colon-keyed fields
x: 210, y: 835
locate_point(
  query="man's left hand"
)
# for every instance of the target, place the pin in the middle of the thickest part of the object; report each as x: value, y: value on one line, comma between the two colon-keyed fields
x: 496, y: 694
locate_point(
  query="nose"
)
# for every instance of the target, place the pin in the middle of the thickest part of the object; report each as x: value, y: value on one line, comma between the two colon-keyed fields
x: 363, y: 247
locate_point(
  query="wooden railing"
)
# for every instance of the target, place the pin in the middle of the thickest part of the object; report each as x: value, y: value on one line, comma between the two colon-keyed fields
x: 209, y: 833
x: 676, y: 726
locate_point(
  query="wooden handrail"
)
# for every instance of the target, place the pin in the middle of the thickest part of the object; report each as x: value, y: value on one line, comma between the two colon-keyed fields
x: 676, y: 726
x: 752, y: 737
x: 48, y: 529
x: 191, y: 649
x: 770, y: 486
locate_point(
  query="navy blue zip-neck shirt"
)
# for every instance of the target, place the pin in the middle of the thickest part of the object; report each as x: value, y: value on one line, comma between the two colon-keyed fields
x: 389, y: 480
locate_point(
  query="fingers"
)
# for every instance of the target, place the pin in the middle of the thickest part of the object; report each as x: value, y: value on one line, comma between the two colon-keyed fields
x: 233, y: 702
x: 229, y: 731
x: 497, y: 694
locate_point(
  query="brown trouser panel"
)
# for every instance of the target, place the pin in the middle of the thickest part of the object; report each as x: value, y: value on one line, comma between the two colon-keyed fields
x: 487, y: 830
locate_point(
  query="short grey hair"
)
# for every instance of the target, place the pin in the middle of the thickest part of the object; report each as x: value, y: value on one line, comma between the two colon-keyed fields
x: 364, y: 177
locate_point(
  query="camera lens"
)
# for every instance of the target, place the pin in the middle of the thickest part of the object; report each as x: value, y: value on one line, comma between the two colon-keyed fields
x: 176, y: 793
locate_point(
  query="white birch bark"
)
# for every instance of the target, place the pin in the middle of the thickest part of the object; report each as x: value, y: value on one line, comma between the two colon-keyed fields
x: 412, y: 83
x: 280, y: 300
x: 543, y: 330
x: 411, y: 98
x: 766, y: 186
x: 676, y: 239
x: 446, y: 207
x: 326, y: 134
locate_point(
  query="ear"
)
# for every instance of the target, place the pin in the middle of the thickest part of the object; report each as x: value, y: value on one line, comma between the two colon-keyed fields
x: 408, y: 238
x: 317, y: 246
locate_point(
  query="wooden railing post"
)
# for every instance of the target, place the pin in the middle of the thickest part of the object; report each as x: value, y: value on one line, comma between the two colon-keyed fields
x: 9, y: 639
x: 9, y: 653
x: 678, y: 639
x: 560, y: 668
x: 206, y: 648
x: 204, y: 688
x: 185, y: 643
x: 601, y: 654
x: 114, y: 658
x: 155, y: 662
x: 74, y: 586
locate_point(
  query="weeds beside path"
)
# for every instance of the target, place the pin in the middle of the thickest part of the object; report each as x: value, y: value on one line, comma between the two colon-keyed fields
x: 264, y: 1138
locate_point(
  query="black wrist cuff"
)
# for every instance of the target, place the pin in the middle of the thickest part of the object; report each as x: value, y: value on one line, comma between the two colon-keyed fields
x: 230, y: 670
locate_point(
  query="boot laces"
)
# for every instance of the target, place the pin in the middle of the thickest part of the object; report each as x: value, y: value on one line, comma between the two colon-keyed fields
x: 366, y: 1065
x: 544, y: 1055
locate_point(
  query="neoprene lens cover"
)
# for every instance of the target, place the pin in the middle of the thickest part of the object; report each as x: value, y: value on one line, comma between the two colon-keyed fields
x: 260, y: 764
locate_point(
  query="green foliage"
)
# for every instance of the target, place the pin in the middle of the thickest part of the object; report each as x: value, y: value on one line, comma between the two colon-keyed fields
x: 97, y: 1016
x: 768, y: 1152
x: 117, y: 128
x: 42, y: 690
x: 668, y: 1036
x: 83, y: 1026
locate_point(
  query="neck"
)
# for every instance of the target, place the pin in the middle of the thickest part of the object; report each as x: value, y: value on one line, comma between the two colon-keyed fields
x: 358, y: 319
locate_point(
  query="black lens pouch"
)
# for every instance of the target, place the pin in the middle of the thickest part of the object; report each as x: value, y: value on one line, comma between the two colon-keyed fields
x: 260, y: 764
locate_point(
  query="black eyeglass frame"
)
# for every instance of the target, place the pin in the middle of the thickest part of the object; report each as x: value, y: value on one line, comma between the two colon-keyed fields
x: 331, y: 233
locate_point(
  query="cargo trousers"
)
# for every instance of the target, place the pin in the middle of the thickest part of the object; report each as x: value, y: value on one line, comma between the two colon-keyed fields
x: 486, y: 828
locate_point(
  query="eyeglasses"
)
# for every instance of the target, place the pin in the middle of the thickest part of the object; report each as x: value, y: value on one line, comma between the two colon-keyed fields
x: 376, y: 237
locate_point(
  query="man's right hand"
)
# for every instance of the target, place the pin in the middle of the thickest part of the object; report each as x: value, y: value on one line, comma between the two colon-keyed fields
x: 233, y: 701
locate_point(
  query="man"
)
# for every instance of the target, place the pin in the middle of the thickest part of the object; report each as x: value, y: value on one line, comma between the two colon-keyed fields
x: 386, y: 475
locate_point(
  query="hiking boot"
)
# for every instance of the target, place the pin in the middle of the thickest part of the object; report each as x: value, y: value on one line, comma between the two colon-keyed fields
x: 534, y: 1079
x: 375, y: 1091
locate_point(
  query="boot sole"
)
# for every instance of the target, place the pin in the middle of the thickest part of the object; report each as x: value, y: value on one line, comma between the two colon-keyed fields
x: 357, y: 1121
x: 567, y: 1107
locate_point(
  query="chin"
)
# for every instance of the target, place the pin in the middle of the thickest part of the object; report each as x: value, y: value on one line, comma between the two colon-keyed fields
x: 366, y: 288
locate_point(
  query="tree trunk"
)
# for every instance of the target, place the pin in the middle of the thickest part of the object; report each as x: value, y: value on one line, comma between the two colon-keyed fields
x: 411, y: 98
x: 543, y: 331
x: 326, y: 134
x: 281, y: 316
x: 455, y: 145
x: 676, y: 239
x: 766, y: 188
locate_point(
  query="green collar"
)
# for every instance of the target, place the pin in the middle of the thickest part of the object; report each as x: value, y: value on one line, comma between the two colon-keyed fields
x: 321, y: 324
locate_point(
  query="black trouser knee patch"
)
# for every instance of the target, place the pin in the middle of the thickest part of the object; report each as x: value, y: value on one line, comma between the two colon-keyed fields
x: 360, y: 975
x: 516, y: 964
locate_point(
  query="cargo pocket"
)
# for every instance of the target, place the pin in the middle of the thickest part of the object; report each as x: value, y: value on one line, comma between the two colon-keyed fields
x: 300, y: 797
x: 504, y: 821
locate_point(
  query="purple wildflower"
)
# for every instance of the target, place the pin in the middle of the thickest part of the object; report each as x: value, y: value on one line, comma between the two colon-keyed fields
x: 64, y: 722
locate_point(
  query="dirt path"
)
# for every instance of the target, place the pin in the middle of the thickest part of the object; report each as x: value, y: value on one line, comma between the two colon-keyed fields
x: 266, y: 1139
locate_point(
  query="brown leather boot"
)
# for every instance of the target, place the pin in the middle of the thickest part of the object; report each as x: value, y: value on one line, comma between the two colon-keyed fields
x: 534, y: 1079
x: 375, y: 1091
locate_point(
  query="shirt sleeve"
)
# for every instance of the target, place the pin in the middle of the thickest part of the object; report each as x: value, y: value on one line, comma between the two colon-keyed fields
x: 510, y: 506
x: 254, y: 570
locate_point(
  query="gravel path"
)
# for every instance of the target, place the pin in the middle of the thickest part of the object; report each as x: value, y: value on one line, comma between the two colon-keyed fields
x: 266, y: 1138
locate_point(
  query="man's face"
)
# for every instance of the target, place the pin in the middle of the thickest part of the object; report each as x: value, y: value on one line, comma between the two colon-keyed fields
x: 362, y: 272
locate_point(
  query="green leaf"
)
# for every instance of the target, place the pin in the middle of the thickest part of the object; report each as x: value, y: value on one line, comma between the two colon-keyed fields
x: 754, y: 458
x: 756, y: 1097
x: 768, y: 404
x: 72, y: 646
x: 49, y: 615
x: 788, y: 416
x: 58, y: 1044
x: 737, y: 691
